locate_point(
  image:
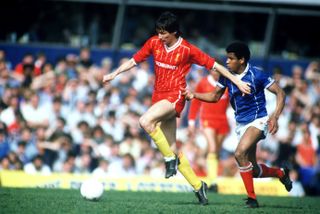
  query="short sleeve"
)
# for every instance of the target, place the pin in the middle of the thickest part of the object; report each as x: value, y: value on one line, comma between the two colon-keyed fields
x: 144, y: 52
x: 265, y: 79
x: 200, y: 58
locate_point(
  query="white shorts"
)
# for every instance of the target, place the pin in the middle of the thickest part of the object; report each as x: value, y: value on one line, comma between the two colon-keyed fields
x: 260, y: 123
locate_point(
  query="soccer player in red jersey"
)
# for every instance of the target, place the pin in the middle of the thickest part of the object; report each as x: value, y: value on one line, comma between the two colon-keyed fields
x: 173, y: 57
x: 213, y: 121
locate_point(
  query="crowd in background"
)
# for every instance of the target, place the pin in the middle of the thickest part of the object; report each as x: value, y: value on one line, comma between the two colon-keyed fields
x: 60, y: 118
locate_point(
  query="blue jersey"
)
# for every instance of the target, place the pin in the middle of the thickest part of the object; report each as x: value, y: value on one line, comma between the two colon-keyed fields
x: 252, y: 106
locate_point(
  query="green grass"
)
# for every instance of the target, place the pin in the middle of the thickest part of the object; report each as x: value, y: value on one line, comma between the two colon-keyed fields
x: 70, y: 201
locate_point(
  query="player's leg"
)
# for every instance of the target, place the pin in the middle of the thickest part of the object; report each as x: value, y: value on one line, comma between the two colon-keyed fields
x: 212, y: 156
x: 261, y: 170
x: 169, y: 129
x: 253, y: 160
x: 252, y: 202
x: 200, y: 187
x: 215, y: 135
x: 160, y: 122
x: 245, y: 147
x: 220, y: 139
x: 150, y: 121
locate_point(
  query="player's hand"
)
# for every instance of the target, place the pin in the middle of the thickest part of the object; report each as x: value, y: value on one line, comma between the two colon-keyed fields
x: 244, y: 87
x: 187, y: 94
x: 272, y: 125
x: 108, y: 77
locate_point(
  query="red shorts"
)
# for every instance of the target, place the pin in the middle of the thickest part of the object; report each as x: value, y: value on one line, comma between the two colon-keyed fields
x: 175, y: 98
x: 220, y: 126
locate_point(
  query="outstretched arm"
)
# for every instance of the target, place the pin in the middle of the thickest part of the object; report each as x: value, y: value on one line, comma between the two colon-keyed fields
x: 210, y: 97
x: 243, y: 86
x: 273, y: 119
x: 122, y: 68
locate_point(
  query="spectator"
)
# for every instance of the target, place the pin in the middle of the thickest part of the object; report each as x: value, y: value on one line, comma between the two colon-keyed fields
x: 85, y: 58
x: 39, y: 63
x: 28, y: 70
x: 21, y: 152
x: 113, y: 127
x: 83, y: 163
x: 15, y: 163
x: 306, y: 155
x: 27, y: 136
x: 141, y: 76
x: 27, y: 59
x: 71, y: 69
x: 98, y: 135
x: 35, y: 114
x: 102, y: 170
x: 12, y: 115
x: 123, y: 168
x: 4, y: 143
x: 4, y: 163
x: 37, y: 166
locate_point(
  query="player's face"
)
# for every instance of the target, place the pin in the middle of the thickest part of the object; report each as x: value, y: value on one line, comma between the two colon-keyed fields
x: 233, y: 63
x: 167, y: 38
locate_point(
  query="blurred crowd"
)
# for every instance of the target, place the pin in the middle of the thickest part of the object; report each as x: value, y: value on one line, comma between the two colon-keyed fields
x: 60, y: 118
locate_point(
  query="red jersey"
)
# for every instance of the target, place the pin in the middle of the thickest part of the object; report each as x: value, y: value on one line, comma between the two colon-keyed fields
x: 214, y: 112
x: 19, y: 69
x: 172, y: 64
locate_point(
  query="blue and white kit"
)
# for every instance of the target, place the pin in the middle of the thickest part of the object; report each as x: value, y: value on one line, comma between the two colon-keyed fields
x: 249, y: 108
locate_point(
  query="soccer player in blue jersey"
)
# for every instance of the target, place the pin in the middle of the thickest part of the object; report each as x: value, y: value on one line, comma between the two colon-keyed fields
x: 253, y: 121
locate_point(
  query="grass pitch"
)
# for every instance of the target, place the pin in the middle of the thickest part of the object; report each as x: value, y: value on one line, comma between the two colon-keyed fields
x: 48, y: 201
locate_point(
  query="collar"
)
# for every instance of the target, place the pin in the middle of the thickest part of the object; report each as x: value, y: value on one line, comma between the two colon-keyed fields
x: 173, y: 47
x: 239, y: 76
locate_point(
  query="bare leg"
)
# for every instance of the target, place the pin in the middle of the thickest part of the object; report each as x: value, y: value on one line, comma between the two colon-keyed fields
x: 169, y: 128
x: 244, y: 153
x: 157, y: 113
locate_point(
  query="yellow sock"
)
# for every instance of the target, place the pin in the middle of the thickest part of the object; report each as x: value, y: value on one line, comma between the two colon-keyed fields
x: 212, y: 166
x: 186, y: 170
x: 160, y: 140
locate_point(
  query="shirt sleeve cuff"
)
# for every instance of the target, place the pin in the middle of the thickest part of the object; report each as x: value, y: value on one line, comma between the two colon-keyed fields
x: 214, y: 65
x: 134, y: 61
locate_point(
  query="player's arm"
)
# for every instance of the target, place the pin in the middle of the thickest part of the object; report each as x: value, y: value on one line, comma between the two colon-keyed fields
x: 122, y: 68
x: 211, y: 97
x: 138, y: 57
x: 243, y: 86
x: 273, y: 119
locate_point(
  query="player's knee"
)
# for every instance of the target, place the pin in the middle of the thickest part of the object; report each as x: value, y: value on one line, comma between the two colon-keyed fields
x: 142, y: 122
x: 240, y: 156
x: 145, y: 124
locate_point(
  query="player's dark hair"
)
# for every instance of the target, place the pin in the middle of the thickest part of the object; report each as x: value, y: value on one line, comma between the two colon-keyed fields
x: 240, y: 50
x: 168, y: 21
